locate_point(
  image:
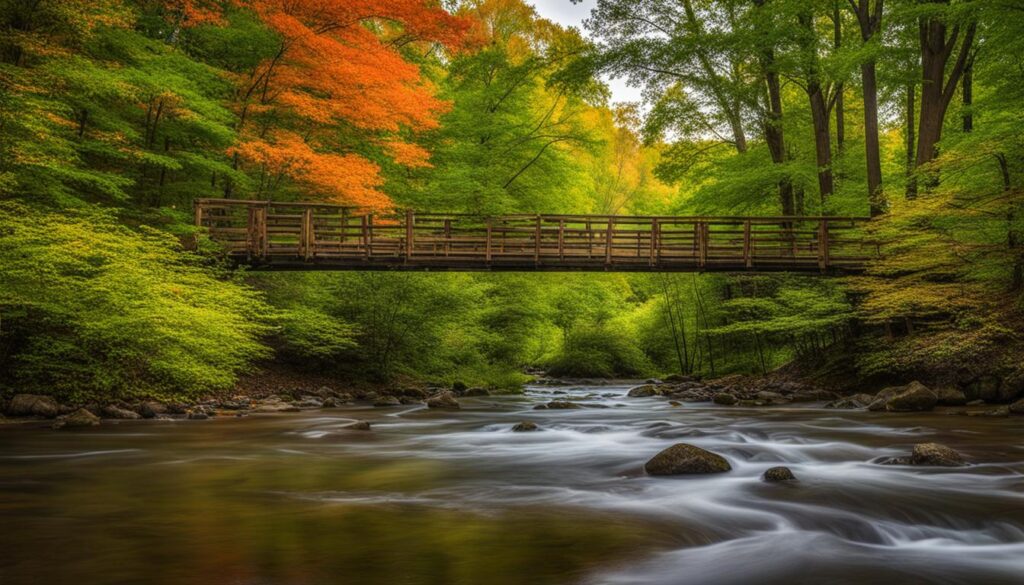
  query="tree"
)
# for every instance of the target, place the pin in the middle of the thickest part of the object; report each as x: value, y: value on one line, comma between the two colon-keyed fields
x: 941, y: 33
x: 869, y: 18
x: 338, y: 66
x: 664, y: 44
x: 507, y: 143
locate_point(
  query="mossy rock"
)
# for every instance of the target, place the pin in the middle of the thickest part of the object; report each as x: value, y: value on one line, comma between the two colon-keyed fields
x: 685, y: 459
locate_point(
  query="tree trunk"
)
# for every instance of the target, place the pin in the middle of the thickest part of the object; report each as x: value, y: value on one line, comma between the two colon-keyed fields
x: 936, y: 88
x: 870, y: 20
x: 911, y: 142
x: 822, y: 141
x: 968, y: 96
x: 773, y: 133
x: 876, y: 196
x: 819, y: 112
x: 837, y: 22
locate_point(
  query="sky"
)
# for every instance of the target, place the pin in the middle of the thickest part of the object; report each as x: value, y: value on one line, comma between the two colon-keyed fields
x: 566, y: 13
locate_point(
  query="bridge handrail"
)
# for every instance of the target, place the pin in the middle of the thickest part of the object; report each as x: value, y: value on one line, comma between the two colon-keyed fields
x: 307, y: 234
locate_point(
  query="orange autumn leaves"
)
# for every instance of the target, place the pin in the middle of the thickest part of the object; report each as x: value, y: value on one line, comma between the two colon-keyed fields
x: 338, y: 83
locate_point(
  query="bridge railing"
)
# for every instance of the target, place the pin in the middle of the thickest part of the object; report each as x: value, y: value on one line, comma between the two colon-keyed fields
x: 296, y: 235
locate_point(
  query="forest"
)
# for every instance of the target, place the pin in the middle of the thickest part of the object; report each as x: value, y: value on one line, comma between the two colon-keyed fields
x: 115, y: 115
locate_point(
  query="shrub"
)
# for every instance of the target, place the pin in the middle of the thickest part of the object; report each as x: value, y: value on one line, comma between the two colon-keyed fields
x: 90, y: 308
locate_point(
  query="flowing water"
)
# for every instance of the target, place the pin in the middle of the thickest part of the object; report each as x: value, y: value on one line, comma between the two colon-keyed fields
x: 453, y: 498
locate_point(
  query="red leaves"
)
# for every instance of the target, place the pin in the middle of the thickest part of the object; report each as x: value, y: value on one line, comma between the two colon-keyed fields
x: 339, y: 70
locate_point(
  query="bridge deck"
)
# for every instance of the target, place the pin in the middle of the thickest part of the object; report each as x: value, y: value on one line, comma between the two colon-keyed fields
x: 305, y: 236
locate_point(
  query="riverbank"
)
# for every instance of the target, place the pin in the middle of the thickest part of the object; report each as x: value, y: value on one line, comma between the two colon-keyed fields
x: 280, y: 391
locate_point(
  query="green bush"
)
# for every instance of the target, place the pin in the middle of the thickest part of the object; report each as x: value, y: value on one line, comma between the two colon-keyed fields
x: 599, y: 352
x: 90, y: 308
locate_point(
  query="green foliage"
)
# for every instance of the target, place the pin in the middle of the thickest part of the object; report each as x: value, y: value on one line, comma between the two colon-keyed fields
x: 93, y: 309
x: 599, y: 352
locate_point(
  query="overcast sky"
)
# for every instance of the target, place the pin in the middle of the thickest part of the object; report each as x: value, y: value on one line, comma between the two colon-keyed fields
x: 566, y: 13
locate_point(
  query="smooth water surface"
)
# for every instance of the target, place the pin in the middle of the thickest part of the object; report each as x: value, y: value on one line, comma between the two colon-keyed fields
x: 456, y: 498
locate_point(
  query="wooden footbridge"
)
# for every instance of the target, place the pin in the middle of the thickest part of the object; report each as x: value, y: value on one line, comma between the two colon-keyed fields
x: 269, y: 235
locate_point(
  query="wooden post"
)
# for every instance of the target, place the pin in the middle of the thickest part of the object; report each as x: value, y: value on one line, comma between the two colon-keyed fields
x: 701, y: 235
x: 344, y: 224
x: 447, y: 235
x: 250, y: 233
x: 367, y: 234
x: 262, y: 242
x: 307, y: 237
x: 608, y: 238
x: 590, y: 240
x: 487, y: 243
x: 823, y: 259
x: 536, y: 240
x: 748, y: 256
x: 561, y: 239
x: 655, y: 230
x: 409, y: 219
x: 198, y: 207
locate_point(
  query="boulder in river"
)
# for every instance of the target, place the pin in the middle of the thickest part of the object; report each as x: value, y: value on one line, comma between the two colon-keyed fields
x: 562, y: 405
x: 682, y: 458
x: 935, y: 454
x: 116, y: 412
x: 359, y: 425
x: 477, y: 392
x: 778, y: 474
x: 443, y: 400
x: 77, y: 419
x: 33, y: 405
x: 916, y: 397
x: 883, y: 396
x: 724, y: 398
x: 644, y: 391
x: 151, y: 409
x: 525, y: 427
x: 384, y: 401
x: 931, y: 454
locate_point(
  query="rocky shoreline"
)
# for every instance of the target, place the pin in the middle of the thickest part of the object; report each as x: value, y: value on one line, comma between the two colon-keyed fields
x: 735, y: 390
x: 750, y: 391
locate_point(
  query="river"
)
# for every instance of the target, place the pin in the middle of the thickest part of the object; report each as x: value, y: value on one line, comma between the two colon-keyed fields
x: 456, y: 498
